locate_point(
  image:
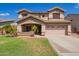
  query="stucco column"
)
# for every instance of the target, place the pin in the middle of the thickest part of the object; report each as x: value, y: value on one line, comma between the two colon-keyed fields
x: 69, y: 28
x: 66, y: 30
x: 42, y: 30
x: 19, y: 28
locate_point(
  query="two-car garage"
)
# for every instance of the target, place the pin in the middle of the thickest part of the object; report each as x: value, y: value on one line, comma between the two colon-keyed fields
x: 57, y: 29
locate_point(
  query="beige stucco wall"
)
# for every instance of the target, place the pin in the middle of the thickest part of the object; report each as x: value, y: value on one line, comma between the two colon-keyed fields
x: 61, y: 15
x: 43, y: 30
x: 41, y: 17
x: 69, y: 28
x: 19, y: 28
x: 37, y: 15
x: 44, y: 18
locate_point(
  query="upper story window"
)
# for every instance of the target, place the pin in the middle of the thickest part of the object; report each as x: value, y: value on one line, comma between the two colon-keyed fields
x: 24, y: 14
x: 56, y: 15
x: 43, y: 15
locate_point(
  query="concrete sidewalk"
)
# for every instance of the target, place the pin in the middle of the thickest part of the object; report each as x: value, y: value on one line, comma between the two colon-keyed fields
x: 65, y: 45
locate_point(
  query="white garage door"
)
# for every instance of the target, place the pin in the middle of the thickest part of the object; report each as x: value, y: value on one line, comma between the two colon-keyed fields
x: 55, y: 29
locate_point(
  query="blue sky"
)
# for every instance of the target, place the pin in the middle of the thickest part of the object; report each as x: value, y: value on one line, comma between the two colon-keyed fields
x: 9, y: 10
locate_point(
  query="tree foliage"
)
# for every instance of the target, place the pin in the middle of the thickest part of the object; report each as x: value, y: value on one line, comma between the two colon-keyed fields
x: 34, y: 28
x: 9, y: 29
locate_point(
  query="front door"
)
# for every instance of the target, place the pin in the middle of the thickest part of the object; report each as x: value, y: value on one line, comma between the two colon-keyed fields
x: 28, y: 28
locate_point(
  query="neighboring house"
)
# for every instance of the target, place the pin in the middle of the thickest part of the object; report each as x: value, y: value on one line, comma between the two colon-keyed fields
x: 74, y: 18
x: 3, y: 22
x: 52, y: 20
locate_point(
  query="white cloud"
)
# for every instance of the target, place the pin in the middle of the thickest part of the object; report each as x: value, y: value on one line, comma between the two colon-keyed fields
x: 4, y: 14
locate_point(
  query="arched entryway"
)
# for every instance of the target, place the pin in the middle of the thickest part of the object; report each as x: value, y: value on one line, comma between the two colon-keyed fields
x: 36, y: 28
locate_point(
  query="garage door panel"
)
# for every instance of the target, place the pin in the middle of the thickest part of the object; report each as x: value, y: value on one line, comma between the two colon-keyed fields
x: 55, y: 29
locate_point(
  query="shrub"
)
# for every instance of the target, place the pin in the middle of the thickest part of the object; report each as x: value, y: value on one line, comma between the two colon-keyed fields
x: 9, y: 29
x: 34, y: 28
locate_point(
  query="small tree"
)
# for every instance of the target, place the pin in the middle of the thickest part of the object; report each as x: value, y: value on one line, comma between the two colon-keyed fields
x: 9, y: 29
x: 34, y: 28
x: 14, y: 31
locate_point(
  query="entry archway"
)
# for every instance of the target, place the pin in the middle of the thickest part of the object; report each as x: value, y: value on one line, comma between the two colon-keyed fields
x: 30, y: 27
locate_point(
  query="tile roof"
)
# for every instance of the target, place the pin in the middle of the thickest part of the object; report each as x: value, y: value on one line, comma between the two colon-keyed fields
x: 23, y: 10
x: 40, y: 12
x: 6, y: 21
x: 28, y: 17
x: 56, y: 8
x: 57, y: 21
x: 46, y: 21
x: 72, y: 16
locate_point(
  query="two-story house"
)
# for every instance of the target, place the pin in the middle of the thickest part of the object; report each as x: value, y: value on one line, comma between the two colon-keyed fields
x: 74, y: 18
x: 51, y: 20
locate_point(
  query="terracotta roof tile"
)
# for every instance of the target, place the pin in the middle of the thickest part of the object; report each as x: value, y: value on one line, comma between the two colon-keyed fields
x: 57, y: 21
x: 47, y: 21
x: 24, y: 10
x: 6, y: 21
x: 39, y: 12
x: 56, y: 8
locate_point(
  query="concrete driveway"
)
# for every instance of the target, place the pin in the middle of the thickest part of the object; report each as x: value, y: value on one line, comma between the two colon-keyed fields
x: 65, y: 45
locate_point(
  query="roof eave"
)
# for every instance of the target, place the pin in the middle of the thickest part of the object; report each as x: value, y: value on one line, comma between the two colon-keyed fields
x: 56, y: 8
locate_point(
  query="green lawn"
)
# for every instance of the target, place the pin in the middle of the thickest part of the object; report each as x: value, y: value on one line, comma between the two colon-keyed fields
x: 10, y: 46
